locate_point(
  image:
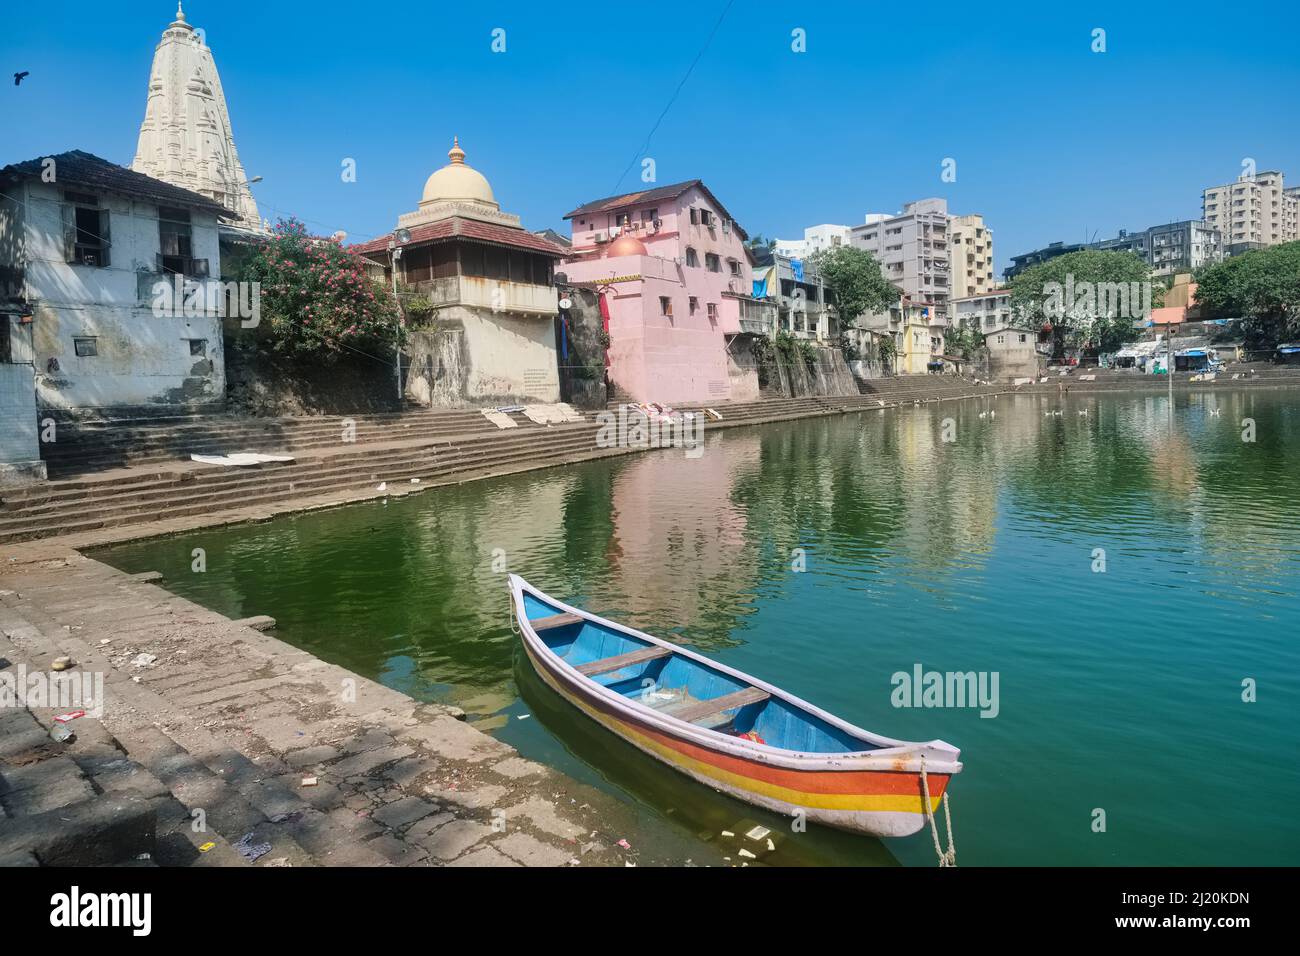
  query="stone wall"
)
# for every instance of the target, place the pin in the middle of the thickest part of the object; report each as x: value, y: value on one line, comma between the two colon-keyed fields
x: 829, y: 374
x: 263, y: 384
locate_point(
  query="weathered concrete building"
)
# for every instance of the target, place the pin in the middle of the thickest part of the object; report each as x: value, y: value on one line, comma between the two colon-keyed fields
x: 491, y: 333
x: 84, y: 244
x: 799, y: 293
x: 1013, y: 353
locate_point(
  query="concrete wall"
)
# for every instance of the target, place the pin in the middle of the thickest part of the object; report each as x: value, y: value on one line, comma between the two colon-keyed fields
x: 143, y: 359
x: 478, y: 357
x: 20, y: 452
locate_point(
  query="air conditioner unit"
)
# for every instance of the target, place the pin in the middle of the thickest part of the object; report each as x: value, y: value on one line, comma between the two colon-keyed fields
x: 601, y: 237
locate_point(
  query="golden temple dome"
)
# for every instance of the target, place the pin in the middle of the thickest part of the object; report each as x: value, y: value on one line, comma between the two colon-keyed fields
x: 457, y: 182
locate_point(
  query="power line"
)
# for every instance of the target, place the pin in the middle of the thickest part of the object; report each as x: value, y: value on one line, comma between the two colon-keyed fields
x: 673, y: 98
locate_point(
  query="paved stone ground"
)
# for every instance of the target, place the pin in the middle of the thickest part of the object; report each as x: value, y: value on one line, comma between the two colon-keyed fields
x: 229, y: 721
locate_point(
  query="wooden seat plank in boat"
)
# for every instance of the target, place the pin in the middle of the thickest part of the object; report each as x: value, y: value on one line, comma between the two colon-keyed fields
x: 555, y: 620
x: 707, y: 708
x: 619, y: 661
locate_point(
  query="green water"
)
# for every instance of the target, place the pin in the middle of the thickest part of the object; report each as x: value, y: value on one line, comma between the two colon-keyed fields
x: 1119, y: 691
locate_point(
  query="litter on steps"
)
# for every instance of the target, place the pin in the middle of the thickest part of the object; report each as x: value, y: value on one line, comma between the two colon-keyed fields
x: 499, y: 418
x: 556, y: 414
x: 240, y: 459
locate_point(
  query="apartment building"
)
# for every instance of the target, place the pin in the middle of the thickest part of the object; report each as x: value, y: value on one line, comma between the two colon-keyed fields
x: 799, y: 294
x: 1254, y: 212
x: 913, y: 250
x: 971, y: 255
x: 1168, y: 249
x: 1172, y: 248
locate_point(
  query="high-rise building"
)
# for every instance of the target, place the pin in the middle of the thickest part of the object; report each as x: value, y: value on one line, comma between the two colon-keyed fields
x: 970, y: 245
x: 913, y: 250
x: 1254, y: 212
x: 186, y: 137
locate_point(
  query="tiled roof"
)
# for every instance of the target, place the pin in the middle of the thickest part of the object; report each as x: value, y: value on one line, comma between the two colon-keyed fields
x: 628, y: 199
x: 79, y: 168
x: 457, y: 227
x: 610, y: 203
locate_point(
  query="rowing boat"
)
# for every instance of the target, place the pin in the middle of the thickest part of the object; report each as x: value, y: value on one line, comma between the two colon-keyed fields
x: 728, y: 730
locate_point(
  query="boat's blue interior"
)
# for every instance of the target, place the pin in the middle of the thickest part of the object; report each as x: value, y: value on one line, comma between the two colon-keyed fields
x: 674, y: 681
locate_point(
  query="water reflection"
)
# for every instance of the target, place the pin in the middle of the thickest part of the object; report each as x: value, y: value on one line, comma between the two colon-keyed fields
x: 969, y: 553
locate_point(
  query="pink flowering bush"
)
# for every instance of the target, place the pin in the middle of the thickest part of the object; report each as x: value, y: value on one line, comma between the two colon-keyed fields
x: 316, y: 296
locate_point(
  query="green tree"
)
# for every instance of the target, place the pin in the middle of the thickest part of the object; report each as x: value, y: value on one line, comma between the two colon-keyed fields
x: 1089, y: 297
x: 855, y: 276
x: 1260, y: 289
x: 887, y: 350
x: 964, y: 340
x: 316, y: 297
x: 758, y: 244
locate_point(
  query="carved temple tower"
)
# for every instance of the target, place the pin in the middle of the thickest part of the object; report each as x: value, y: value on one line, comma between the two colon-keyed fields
x: 186, y: 138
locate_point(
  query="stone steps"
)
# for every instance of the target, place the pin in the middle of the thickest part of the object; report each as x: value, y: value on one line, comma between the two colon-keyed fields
x: 103, y: 447
x: 136, y: 795
x: 171, y: 499
x: 68, y: 490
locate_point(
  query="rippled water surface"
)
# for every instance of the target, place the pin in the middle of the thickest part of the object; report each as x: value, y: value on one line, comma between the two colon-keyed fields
x: 1119, y: 691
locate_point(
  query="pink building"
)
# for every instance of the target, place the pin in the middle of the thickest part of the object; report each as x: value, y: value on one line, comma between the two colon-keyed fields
x: 675, y: 281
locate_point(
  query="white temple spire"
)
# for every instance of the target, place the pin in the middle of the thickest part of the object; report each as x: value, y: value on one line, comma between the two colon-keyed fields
x: 186, y: 137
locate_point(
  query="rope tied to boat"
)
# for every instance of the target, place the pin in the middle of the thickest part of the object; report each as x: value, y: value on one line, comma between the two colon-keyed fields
x: 946, y: 857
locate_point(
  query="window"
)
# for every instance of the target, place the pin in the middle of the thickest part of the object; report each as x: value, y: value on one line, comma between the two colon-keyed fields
x: 708, y: 218
x: 85, y: 347
x: 695, y: 216
x: 713, y: 311
x: 649, y: 215
x: 86, y: 239
x: 1022, y: 337
x: 735, y: 267
x: 198, y: 347
x: 666, y: 306
x: 712, y: 262
x: 175, y: 244
x: 692, y: 257
x: 693, y: 304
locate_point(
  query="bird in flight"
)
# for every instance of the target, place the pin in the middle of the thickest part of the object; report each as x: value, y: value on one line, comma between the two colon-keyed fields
x: 18, y: 77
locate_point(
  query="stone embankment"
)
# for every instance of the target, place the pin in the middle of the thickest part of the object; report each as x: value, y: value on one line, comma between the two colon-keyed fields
x: 220, y: 745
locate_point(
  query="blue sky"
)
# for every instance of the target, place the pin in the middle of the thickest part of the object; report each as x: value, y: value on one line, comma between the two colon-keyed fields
x: 1052, y: 141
